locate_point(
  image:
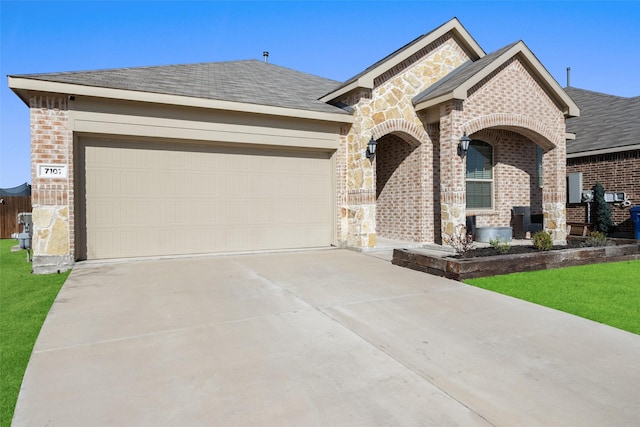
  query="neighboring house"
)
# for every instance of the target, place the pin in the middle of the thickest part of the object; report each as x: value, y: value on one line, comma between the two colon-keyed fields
x: 246, y: 155
x: 13, y: 201
x: 606, y: 149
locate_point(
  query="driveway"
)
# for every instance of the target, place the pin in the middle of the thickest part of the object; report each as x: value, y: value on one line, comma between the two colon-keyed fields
x: 316, y: 338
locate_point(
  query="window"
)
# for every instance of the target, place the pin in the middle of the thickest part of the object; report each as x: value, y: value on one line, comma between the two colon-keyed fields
x: 539, y: 159
x: 479, y: 177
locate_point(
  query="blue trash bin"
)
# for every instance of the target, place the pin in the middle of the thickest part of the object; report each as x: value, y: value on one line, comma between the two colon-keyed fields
x: 635, y: 217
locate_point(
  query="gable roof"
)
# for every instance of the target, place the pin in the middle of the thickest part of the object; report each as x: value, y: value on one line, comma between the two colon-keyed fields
x: 607, y: 123
x: 247, y: 82
x: 453, y: 84
x: 457, y: 83
x: 365, y: 78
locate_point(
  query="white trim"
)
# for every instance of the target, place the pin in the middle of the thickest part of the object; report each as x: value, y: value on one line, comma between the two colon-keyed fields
x: 365, y: 81
x: 20, y: 83
x: 547, y: 80
x: 492, y: 181
x: 604, y: 151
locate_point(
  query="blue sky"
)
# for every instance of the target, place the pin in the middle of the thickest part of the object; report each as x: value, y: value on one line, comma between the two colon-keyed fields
x: 597, y: 39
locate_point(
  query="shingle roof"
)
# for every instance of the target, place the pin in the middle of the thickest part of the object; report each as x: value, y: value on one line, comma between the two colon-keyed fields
x: 366, y: 77
x: 383, y: 60
x: 606, y: 122
x: 459, y: 76
x: 250, y: 81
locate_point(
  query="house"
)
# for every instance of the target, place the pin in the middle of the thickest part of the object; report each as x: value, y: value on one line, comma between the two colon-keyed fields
x: 247, y: 155
x: 13, y: 201
x: 605, y: 150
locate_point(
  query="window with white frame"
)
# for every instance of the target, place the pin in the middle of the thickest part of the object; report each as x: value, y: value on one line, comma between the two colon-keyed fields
x: 479, y: 176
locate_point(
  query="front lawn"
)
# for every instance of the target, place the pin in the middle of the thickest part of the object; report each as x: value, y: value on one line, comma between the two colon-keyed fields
x: 25, y: 300
x: 608, y: 293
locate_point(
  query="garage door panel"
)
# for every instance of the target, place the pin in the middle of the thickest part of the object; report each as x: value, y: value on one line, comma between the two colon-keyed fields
x: 152, y: 199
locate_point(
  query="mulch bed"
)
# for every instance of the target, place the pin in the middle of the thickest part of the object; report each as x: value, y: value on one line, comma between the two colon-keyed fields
x: 515, y: 250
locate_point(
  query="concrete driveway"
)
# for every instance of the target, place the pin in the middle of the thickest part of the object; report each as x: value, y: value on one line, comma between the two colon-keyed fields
x: 317, y: 338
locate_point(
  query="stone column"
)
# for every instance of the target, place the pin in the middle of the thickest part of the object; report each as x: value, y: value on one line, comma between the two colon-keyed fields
x: 554, y: 191
x: 452, y: 171
x: 362, y: 196
x: 52, y: 185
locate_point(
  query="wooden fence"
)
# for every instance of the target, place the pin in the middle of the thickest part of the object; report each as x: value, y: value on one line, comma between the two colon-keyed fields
x: 10, y: 207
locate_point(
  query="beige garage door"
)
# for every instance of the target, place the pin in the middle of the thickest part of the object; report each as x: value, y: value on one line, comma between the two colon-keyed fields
x: 147, y: 199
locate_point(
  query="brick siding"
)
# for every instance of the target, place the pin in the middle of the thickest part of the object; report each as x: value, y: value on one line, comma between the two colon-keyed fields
x: 52, y: 143
x: 398, y: 197
x: 616, y: 172
x: 515, y: 180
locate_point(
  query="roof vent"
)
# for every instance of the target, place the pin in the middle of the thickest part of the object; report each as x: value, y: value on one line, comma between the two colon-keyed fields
x: 266, y: 56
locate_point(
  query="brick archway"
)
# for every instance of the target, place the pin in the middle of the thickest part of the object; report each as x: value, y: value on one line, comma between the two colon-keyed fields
x: 416, y: 135
x: 403, y: 182
x: 537, y: 131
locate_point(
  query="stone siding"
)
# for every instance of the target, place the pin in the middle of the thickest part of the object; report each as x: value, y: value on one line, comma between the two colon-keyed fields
x: 52, y: 198
x: 388, y: 109
x: 422, y: 198
x: 616, y: 172
x: 414, y: 189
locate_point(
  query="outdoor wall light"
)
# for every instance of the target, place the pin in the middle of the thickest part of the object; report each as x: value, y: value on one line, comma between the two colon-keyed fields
x: 371, y: 149
x: 463, y: 147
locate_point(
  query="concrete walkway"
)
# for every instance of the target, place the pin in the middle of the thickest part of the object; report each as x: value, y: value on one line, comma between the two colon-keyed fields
x: 317, y: 338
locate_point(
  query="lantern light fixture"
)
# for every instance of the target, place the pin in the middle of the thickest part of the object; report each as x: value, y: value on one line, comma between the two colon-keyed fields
x: 371, y: 149
x: 463, y: 147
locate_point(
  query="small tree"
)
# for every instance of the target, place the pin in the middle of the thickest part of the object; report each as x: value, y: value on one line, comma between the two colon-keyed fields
x: 603, y: 222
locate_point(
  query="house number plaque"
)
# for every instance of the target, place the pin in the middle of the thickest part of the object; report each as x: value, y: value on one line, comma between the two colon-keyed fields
x: 52, y: 171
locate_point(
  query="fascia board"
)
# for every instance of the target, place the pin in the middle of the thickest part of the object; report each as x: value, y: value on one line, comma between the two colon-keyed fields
x: 18, y: 84
x: 572, y: 109
x: 543, y: 75
x: 366, y: 80
x: 435, y: 101
x: 338, y: 93
x: 604, y: 151
x: 451, y: 26
x: 467, y: 40
x: 462, y: 90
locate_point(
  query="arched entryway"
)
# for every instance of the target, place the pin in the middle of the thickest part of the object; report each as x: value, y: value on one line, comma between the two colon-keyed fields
x: 400, y: 204
x: 503, y: 169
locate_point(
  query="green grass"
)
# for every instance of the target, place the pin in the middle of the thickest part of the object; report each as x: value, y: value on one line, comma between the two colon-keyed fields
x: 25, y: 300
x: 608, y: 293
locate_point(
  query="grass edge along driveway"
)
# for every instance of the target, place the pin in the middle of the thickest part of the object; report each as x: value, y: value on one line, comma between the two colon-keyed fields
x: 25, y: 300
x: 608, y: 293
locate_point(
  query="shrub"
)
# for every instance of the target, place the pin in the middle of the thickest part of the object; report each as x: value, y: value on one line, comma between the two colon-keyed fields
x: 543, y: 241
x: 460, y: 241
x: 500, y: 246
x: 603, y: 222
x: 596, y: 239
